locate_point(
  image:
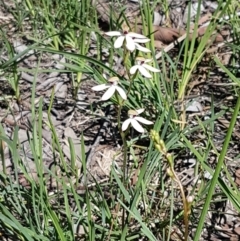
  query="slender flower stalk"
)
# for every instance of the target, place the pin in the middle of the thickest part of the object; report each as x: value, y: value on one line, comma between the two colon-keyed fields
x: 129, y: 41
x: 161, y: 147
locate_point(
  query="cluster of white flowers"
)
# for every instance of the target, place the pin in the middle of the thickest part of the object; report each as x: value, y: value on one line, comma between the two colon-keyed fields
x: 131, y: 41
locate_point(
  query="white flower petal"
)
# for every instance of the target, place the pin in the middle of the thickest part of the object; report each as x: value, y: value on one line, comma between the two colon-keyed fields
x: 121, y: 92
x: 144, y: 72
x: 141, y: 41
x: 130, y: 43
x: 141, y: 48
x: 143, y: 120
x: 137, y: 126
x: 135, y: 35
x: 149, y: 67
x: 113, y: 33
x: 125, y: 124
x: 108, y: 94
x: 134, y: 69
x: 139, y: 111
x: 119, y: 42
x: 100, y: 87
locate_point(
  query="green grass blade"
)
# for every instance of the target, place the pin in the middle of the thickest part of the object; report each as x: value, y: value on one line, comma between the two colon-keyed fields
x: 217, y: 171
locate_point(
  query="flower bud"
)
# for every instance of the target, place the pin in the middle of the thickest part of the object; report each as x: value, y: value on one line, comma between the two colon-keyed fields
x: 189, y: 204
x: 154, y: 136
x: 170, y: 159
x: 164, y: 149
x: 170, y: 173
x: 190, y: 199
x: 158, y: 147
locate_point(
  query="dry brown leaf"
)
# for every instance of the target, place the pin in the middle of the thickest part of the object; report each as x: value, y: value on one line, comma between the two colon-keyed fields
x: 158, y: 44
x: 237, y: 175
x: 166, y: 35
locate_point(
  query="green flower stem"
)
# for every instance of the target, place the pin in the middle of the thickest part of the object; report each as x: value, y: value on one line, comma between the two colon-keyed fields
x: 174, y: 176
x: 185, y: 204
x: 121, y: 104
x: 124, y: 181
x: 161, y: 147
x: 126, y: 55
x: 124, y: 134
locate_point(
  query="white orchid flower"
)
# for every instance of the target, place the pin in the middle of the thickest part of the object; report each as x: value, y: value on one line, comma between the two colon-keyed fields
x: 143, y: 67
x: 111, y: 87
x: 134, y: 120
x: 131, y: 39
